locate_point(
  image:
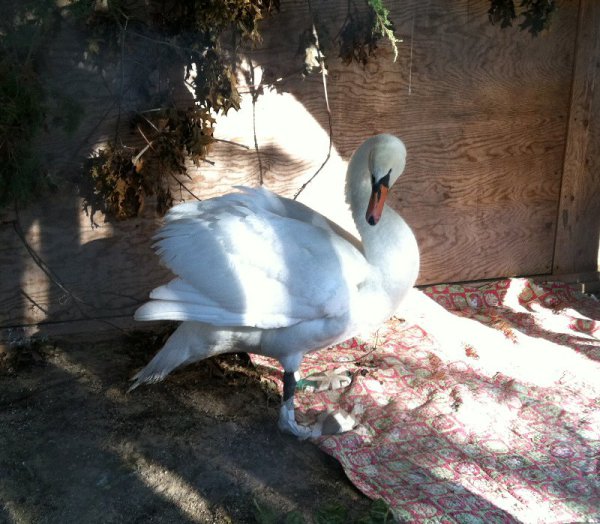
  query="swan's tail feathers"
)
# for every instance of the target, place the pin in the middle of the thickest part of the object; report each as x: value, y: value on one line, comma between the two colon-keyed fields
x: 178, y: 300
x: 187, y: 344
x: 146, y: 376
x: 185, y: 311
x: 168, y: 310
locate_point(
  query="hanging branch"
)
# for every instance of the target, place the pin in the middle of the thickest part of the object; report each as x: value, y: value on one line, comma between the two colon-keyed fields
x: 136, y: 159
x: 243, y: 146
x: 183, y: 186
x: 321, y: 60
x: 383, y: 24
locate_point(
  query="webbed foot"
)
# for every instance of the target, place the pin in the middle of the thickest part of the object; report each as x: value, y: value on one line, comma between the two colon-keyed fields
x: 332, y: 423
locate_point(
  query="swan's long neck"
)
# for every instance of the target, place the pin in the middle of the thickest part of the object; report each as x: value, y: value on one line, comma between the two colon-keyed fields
x: 389, y: 246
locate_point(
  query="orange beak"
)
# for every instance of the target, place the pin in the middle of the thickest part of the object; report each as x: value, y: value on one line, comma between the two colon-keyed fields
x: 375, y: 209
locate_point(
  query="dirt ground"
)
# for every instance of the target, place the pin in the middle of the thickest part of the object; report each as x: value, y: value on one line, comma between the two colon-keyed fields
x: 202, y: 446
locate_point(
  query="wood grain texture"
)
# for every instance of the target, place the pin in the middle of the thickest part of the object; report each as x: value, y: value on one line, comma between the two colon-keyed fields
x: 105, y: 269
x: 578, y: 228
x: 483, y: 112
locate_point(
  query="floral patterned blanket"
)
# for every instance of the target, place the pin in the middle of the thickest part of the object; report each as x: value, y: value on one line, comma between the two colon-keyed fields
x: 480, y: 405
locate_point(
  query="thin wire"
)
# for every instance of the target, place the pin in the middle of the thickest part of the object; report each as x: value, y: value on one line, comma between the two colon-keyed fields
x: 39, y: 261
x: 321, y: 59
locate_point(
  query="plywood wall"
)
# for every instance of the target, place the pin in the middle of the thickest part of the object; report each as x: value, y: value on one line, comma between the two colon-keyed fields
x: 578, y: 227
x: 487, y: 132
x: 483, y: 112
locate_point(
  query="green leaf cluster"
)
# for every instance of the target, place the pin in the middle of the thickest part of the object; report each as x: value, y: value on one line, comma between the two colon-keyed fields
x: 383, y: 26
x: 363, y: 29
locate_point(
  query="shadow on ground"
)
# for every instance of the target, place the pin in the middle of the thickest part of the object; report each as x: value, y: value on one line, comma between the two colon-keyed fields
x: 200, y: 447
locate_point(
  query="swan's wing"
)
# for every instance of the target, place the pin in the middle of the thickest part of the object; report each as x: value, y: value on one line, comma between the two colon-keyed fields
x: 243, y: 260
x: 257, y: 199
x: 267, y: 201
x: 297, y: 210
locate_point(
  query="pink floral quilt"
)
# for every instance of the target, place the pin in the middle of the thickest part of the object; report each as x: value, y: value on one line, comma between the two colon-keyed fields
x: 480, y: 405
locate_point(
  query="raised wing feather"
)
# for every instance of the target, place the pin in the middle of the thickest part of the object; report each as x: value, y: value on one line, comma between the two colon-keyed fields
x: 253, y: 259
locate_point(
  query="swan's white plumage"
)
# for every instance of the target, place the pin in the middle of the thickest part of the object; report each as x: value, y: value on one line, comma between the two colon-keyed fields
x: 261, y: 273
x: 260, y: 266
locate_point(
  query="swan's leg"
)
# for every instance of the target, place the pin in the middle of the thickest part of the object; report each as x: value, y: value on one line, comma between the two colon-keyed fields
x: 329, y: 424
x: 287, y: 419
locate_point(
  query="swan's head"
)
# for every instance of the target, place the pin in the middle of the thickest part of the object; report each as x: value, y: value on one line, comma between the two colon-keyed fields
x: 386, y: 161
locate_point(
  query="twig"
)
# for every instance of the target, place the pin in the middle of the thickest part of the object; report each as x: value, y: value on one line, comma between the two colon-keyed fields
x: 151, y: 123
x: 137, y: 157
x: 230, y: 142
x: 321, y: 59
x: 294, y: 73
x: 149, y: 145
x: 153, y: 110
x: 33, y: 302
x: 183, y: 186
x: 103, y: 117
x: 166, y: 43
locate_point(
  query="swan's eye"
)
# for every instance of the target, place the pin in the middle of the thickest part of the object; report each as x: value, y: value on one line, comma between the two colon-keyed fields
x: 385, y: 181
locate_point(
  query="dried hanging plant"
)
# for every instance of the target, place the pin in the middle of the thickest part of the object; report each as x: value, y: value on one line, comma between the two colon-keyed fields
x: 363, y: 29
x: 536, y: 13
x: 182, y: 32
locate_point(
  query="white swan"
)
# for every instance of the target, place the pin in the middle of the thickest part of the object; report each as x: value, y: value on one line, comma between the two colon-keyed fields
x: 260, y: 273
